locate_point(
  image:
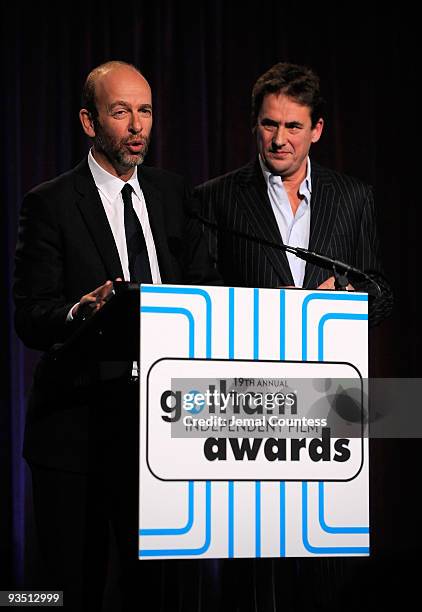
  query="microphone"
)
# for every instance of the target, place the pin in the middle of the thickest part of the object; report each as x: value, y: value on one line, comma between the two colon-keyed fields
x: 341, y: 280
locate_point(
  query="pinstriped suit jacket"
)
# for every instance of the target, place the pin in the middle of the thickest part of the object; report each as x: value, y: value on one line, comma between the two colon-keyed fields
x: 343, y: 227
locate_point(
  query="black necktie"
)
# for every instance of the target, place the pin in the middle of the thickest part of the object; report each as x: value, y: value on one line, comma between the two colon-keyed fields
x: 139, y: 268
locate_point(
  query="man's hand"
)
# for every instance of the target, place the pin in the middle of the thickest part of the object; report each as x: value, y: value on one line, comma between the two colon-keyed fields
x: 329, y: 284
x: 92, y: 302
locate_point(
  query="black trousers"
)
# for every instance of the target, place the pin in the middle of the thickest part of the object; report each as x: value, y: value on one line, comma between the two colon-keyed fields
x: 73, y: 516
x: 75, y: 512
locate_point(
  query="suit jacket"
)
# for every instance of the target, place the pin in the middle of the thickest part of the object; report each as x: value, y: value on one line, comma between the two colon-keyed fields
x: 343, y: 226
x: 66, y: 249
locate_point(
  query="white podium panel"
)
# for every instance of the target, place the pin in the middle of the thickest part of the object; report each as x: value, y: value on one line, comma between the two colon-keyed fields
x: 247, y: 493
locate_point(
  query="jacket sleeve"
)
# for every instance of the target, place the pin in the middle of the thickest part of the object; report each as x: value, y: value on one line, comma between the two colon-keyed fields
x: 40, y: 304
x: 198, y: 265
x: 368, y: 260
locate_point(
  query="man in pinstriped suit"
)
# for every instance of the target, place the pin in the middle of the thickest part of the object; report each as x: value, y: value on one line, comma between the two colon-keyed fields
x: 281, y: 197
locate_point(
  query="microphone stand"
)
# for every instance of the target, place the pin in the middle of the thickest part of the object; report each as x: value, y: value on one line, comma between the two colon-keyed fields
x: 340, y: 280
x: 340, y: 276
x: 339, y: 268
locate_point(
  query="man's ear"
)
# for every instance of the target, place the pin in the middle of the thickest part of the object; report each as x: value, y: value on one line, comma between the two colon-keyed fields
x: 87, y: 122
x: 317, y: 130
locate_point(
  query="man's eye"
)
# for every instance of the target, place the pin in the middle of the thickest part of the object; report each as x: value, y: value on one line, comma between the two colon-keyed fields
x: 146, y: 111
x: 119, y: 113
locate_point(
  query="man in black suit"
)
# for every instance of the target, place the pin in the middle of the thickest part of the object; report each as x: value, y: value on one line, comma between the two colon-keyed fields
x: 109, y: 218
x: 281, y: 198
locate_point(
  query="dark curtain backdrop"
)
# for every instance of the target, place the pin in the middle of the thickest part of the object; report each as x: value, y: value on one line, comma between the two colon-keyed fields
x: 202, y: 60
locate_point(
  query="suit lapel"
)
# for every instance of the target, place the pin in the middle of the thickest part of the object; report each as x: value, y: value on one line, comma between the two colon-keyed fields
x: 323, y: 216
x: 92, y: 210
x: 253, y: 198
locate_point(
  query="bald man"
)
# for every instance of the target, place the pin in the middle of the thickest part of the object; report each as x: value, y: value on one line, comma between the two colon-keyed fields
x: 109, y: 218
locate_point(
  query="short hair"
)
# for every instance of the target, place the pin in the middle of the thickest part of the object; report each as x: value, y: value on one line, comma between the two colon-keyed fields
x: 88, y: 99
x: 297, y: 82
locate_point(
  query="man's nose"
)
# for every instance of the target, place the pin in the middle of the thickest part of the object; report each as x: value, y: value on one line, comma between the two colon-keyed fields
x: 279, y: 138
x: 136, y: 124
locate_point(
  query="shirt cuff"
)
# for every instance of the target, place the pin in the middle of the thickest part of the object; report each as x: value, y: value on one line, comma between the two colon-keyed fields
x: 70, y: 317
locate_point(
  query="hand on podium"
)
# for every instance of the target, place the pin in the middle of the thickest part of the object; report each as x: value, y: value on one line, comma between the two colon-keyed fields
x: 90, y: 303
x: 329, y: 283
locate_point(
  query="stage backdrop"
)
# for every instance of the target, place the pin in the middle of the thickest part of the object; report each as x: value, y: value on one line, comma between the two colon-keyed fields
x: 202, y: 61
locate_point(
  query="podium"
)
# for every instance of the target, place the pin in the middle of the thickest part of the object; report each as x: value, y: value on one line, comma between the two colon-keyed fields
x: 245, y: 449
x: 207, y: 492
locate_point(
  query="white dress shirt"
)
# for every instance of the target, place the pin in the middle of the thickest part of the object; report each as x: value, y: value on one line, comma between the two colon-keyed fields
x: 110, y: 187
x: 294, y: 228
